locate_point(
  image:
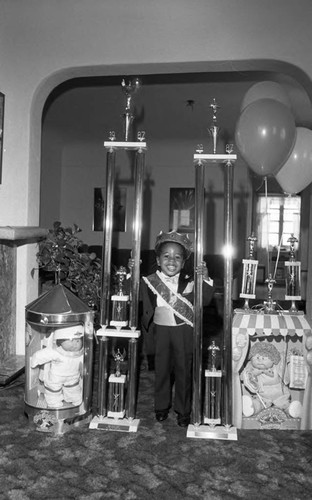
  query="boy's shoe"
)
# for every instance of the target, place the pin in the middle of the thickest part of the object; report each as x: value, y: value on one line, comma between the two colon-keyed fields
x: 183, y: 420
x: 161, y: 415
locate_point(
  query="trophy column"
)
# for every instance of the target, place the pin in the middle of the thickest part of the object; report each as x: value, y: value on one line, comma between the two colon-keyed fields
x: 196, y: 429
x: 250, y: 267
x: 293, y: 276
x: 119, y: 310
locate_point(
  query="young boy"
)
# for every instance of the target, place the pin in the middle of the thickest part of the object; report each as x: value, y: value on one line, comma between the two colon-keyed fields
x: 167, y: 297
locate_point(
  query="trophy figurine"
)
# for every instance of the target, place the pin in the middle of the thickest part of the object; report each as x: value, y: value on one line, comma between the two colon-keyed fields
x: 116, y: 393
x: 212, y: 407
x: 249, y: 273
x: 129, y: 89
x: 214, y: 129
x: 293, y: 272
x: 120, y: 301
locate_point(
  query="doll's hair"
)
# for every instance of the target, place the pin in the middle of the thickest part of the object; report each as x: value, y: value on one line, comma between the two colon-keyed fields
x: 265, y: 349
x: 59, y: 342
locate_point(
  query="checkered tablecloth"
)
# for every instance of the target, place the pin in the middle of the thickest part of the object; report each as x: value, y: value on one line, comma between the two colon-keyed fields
x: 262, y: 324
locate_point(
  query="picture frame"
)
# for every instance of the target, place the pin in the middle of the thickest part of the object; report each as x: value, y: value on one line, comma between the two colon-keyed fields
x: 1, y: 131
x: 182, y: 210
x: 119, y: 210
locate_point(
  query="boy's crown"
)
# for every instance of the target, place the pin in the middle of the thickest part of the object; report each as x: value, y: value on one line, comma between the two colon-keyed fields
x: 174, y: 237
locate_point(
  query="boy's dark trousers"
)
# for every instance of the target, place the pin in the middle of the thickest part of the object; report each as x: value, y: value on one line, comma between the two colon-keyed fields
x: 173, y: 354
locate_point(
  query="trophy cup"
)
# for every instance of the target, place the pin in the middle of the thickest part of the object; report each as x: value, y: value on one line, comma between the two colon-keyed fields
x: 293, y: 272
x: 249, y: 273
x: 212, y: 408
x: 116, y: 392
x: 214, y: 129
x: 120, y: 301
x: 129, y: 89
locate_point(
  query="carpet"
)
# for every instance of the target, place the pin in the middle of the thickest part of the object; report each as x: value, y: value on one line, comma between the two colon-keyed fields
x: 157, y: 462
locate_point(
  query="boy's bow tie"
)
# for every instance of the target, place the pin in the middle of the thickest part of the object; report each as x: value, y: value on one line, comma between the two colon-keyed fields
x: 172, y: 279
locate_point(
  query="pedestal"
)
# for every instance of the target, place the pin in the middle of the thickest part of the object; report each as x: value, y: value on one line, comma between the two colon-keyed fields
x: 11, y: 364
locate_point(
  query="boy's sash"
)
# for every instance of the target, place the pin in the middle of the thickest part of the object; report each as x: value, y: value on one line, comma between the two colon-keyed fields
x: 179, y: 305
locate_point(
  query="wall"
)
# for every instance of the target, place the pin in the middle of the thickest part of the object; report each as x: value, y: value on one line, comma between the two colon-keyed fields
x: 173, y: 168
x: 44, y: 42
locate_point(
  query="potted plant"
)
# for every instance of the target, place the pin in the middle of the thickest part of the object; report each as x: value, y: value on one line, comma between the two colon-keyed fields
x: 63, y: 258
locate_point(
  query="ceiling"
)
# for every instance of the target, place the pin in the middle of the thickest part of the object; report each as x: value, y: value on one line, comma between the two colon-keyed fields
x: 167, y: 106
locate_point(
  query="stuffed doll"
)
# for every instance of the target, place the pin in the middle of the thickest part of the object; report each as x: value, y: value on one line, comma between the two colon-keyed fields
x: 263, y: 381
x: 62, y: 360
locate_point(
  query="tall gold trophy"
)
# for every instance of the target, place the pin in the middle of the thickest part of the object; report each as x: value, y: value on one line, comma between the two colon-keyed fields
x: 117, y: 392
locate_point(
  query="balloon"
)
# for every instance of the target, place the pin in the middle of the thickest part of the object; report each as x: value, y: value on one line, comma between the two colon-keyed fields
x: 265, y: 135
x: 266, y: 90
x: 296, y: 173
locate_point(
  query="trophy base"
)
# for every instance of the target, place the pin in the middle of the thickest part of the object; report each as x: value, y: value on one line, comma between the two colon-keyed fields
x: 212, y: 421
x: 114, y: 424
x: 206, y: 432
x: 116, y: 414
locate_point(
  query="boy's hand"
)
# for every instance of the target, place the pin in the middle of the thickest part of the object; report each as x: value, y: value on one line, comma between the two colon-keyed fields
x: 202, y: 269
x: 131, y: 263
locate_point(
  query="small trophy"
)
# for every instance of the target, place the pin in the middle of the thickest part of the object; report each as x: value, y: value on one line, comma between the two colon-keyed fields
x: 249, y: 273
x: 129, y: 89
x: 293, y: 275
x: 116, y: 393
x: 212, y: 407
x: 214, y: 129
x: 120, y: 301
x: 269, y: 305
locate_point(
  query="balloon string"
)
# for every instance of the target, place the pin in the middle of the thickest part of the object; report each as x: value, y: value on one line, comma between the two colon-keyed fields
x: 267, y: 222
x: 277, y: 257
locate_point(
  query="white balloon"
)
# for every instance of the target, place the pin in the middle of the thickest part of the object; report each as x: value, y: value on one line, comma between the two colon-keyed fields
x: 296, y: 173
x: 266, y: 90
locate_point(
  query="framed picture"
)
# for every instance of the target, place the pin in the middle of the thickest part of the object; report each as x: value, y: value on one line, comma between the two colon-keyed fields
x: 182, y: 210
x: 1, y: 131
x: 119, y: 210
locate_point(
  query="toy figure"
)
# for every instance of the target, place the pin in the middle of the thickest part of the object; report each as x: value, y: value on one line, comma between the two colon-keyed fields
x: 62, y: 360
x: 263, y: 381
x: 167, y: 305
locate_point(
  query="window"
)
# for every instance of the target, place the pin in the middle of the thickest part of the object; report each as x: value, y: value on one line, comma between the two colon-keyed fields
x: 278, y: 217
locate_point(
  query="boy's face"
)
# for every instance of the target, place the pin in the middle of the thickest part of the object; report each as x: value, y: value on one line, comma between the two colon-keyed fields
x: 171, y: 259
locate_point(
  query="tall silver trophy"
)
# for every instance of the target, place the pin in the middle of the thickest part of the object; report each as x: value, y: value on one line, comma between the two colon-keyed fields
x: 117, y: 392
